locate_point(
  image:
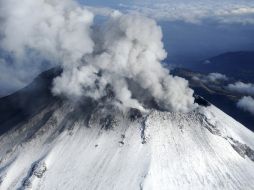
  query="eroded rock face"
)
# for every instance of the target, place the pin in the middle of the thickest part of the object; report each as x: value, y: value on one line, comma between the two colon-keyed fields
x: 27, y: 184
x: 242, y: 149
x: 108, y: 122
x: 37, y: 171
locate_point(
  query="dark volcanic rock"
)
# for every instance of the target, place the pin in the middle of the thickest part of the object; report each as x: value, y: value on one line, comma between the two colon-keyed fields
x: 134, y: 114
x: 29, y: 101
x: 201, y: 101
x: 107, y: 122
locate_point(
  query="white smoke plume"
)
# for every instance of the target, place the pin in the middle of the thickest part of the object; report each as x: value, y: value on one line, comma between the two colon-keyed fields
x: 243, y: 88
x: 246, y: 103
x: 48, y: 29
x: 126, y: 47
x: 40, y: 34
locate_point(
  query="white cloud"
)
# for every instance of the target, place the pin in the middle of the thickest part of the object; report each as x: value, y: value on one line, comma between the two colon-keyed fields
x: 228, y: 11
x: 124, y: 47
x: 243, y: 88
x: 211, y: 77
x: 246, y: 103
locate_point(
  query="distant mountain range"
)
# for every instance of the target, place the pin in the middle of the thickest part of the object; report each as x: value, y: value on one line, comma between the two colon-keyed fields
x: 240, y: 65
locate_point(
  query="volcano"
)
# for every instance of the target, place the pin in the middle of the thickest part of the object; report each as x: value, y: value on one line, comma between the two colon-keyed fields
x: 48, y: 142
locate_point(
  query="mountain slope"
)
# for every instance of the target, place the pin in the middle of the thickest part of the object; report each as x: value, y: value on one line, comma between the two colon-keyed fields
x: 96, y: 146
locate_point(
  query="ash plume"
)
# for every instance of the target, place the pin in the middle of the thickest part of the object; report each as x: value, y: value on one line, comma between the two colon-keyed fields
x: 125, y: 47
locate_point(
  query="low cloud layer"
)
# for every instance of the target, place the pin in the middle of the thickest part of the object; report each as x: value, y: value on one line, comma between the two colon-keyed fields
x: 243, y: 88
x: 228, y: 11
x: 211, y: 78
x: 93, y: 58
x: 246, y: 103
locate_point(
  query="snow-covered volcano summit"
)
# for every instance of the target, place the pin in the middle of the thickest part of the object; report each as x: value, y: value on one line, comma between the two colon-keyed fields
x: 53, y: 144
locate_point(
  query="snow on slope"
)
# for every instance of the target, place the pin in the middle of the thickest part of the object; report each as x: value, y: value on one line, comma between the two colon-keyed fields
x: 65, y: 148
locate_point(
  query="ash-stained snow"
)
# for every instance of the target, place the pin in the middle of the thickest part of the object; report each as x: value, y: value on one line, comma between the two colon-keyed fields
x: 203, y: 149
